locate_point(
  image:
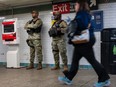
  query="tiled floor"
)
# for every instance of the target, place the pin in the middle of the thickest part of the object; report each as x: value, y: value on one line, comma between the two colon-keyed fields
x: 45, y: 78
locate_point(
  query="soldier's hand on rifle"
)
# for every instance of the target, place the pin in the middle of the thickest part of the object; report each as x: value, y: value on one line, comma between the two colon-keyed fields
x: 29, y: 26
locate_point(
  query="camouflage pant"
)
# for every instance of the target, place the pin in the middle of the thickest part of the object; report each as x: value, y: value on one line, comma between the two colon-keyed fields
x: 35, y: 46
x: 59, y: 47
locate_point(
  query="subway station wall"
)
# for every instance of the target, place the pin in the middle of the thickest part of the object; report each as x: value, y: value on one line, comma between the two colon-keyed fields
x: 109, y: 21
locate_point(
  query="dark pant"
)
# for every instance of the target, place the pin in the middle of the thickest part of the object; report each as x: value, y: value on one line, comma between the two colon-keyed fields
x: 87, y: 52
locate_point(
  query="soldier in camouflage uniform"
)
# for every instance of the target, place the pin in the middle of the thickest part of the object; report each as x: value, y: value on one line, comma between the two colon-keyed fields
x: 33, y: 28
x: 58, y: 42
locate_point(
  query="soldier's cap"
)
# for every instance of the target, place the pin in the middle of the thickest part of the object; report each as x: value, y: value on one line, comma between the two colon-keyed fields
x: 56, y: 13
x: 35, y: 11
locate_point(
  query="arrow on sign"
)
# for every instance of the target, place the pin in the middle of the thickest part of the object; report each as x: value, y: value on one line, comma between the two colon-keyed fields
x: 93, y: 3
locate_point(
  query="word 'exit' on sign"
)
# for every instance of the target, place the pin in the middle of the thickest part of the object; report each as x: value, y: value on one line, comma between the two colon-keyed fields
x: 67, y: 7
x: 63, y: 8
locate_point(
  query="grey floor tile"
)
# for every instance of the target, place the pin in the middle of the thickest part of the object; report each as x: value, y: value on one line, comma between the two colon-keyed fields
x: 46, y: 78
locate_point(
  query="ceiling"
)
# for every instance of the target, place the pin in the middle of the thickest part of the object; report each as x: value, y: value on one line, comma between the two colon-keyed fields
x: 6, y: 4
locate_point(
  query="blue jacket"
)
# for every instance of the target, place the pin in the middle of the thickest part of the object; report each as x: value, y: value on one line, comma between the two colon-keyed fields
x: 84, y: 19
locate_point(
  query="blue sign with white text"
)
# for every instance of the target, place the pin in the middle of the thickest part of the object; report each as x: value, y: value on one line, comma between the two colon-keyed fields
x: 98, y: 20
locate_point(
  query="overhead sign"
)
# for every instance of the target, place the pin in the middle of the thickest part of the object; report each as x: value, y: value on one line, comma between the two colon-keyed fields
x: 93, y: 4
x: 67, y: 7
x: 62, y: 7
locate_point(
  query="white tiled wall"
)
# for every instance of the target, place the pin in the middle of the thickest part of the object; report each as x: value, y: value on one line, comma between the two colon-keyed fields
x: 109, y: 21
x: 3, y: 49
x: 109, y: 14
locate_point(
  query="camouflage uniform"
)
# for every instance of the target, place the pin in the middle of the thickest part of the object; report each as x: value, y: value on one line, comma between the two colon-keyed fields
x: 59, y: 45
x: 34, y: 41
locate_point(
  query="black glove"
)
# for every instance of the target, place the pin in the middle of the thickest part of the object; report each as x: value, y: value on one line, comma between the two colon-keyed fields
x: 29, y: 32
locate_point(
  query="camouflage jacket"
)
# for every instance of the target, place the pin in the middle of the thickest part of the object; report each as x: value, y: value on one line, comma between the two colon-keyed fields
x: 63, y: 27
x: 33, y: 24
